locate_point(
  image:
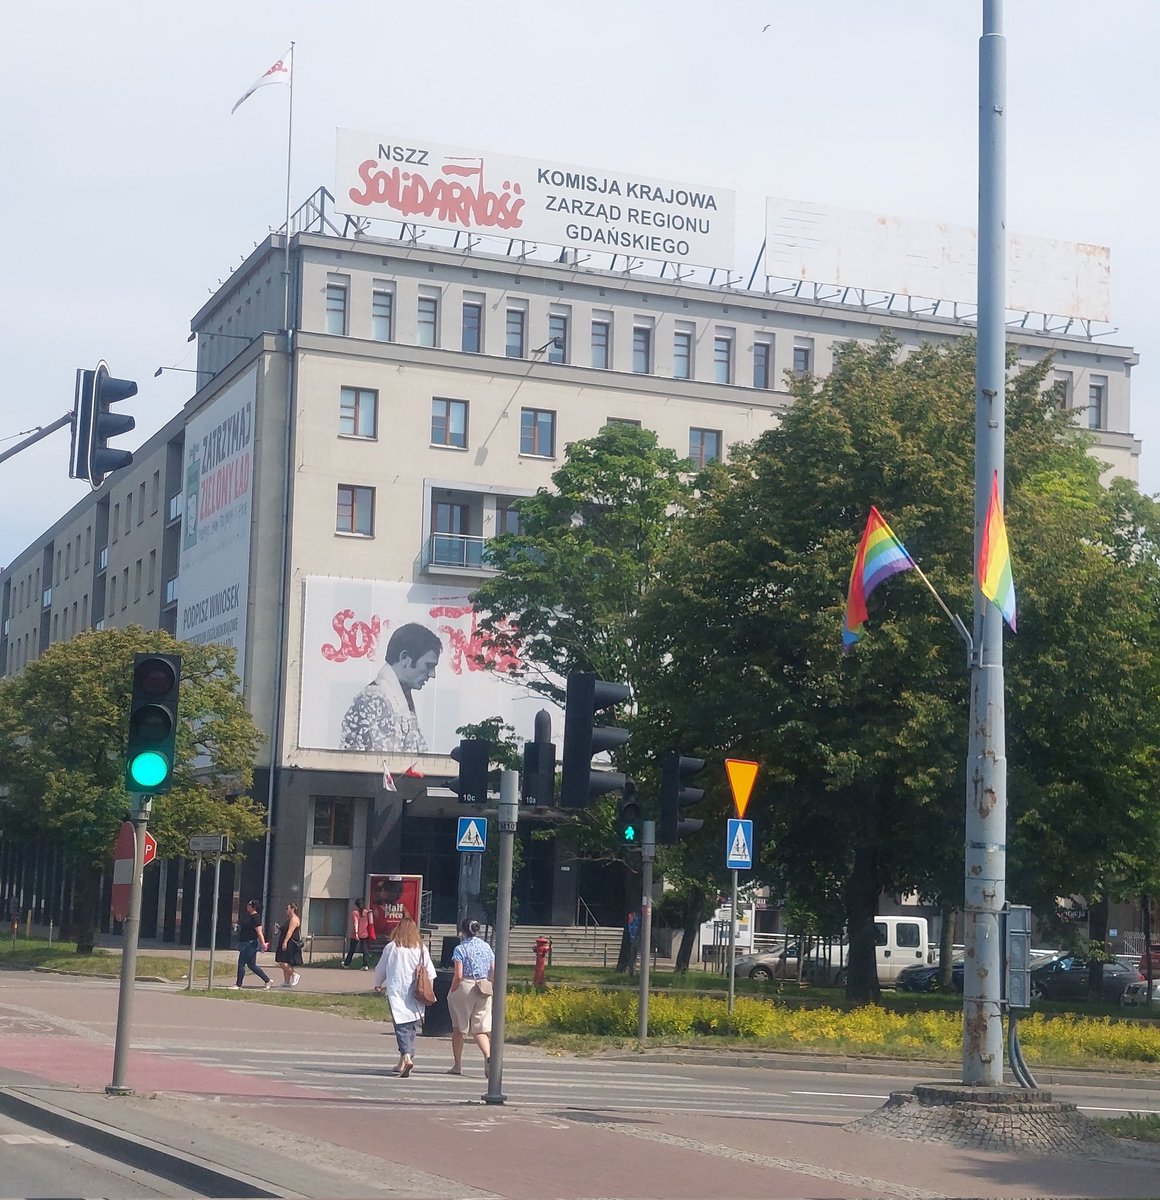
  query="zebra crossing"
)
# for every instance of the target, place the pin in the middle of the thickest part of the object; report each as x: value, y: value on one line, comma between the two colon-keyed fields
x: 531, y: 1078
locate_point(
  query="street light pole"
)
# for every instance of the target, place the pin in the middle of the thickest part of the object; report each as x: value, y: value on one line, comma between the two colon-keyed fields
x: 509, y: 812
x: 986, y: 821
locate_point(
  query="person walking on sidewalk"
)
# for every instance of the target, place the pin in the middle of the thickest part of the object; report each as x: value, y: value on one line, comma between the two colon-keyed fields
x: 403, y: 957
x: 288, y: 955
x: 362, y: 933
x: 251, y: 939
x: 469, y: 1000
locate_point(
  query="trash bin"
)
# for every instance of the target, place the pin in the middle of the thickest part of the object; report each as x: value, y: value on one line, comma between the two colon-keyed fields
x: 438, y: 1018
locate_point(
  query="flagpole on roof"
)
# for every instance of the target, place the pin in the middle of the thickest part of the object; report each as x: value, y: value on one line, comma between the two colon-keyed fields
x: 286, y: 249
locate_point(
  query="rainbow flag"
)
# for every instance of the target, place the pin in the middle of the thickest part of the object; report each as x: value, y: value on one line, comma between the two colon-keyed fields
x: 995, y: 580
x: 880, y: 555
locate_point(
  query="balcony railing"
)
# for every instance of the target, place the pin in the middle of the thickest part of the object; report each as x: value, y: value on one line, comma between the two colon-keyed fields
x: 456, y: 550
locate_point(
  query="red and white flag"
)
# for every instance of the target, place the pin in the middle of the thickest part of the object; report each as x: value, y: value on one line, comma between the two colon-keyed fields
x: 278, y: 73
x: 388, y: 781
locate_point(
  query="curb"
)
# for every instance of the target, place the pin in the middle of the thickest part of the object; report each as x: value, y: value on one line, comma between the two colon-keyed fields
x: 196, y: 1176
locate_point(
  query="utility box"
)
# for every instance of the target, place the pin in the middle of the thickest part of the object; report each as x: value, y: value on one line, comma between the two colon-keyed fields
x: 1018, y: 973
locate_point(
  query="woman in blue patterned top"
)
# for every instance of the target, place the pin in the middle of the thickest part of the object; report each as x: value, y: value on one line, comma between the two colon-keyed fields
x: 469, y: 1000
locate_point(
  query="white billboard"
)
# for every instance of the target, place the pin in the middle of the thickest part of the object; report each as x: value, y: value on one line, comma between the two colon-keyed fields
x: 391, y: 668
x: 923, y: 258
x: 475, y: 191
x: 213, y: 584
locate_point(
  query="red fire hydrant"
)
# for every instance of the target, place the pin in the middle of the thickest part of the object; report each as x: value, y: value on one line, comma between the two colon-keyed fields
x: 543, y: 951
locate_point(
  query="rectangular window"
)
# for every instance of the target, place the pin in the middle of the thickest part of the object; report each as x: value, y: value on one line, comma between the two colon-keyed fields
x: 326, y: 917
x: 538, y: 432
x: 682, y: 354
x: 125, y: 589
x: 382, y: 315
x: 622, y: 421
x: 472, y: 341
x: 762, y: 364
x: 171, y: 587
x: 642, y: 350
x: 116, y: 520
x: 128, y: 513
x: 151, y: 579
x: 428, y: 316
x: 358, y: 412
x: 88, y: 544
x: 58, y: 578
x: 333, y: 821
x: 137, y: 582
x: 722, y: 359
x: 85, y: 610
x: 803, y: 356
x: 449, y: 423
x: 112, y: 595
x: 141, y: 505
x: 516, y: 323
x: 450, y: 518
x: 558, y: 333
x: 156, y: 491
x: 356, y: 510
x: 336, y: 307
x: 602, y: 344
x: 1097, y: 414
x: 704, y: 445
x: 507, y: 517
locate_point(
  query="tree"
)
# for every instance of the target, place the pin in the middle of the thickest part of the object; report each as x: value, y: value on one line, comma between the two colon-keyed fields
x: 63, y: 730
x: 863, y: 755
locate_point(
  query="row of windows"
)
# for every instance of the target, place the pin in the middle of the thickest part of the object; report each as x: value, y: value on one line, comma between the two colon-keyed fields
x: 358, y: 415
x: 115, y: 523
x: 151, y: 583
x: 355, y: 511
x: 559, y: 347
x: 1097, y: 404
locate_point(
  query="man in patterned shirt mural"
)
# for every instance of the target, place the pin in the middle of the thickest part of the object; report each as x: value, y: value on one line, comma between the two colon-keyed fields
x: 382, y: 716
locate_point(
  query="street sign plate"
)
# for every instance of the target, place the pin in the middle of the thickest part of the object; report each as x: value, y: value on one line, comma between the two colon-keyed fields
x: 739, y: 845
x: 471, y: 836
x: 741, y: 776
x: 209, y: 843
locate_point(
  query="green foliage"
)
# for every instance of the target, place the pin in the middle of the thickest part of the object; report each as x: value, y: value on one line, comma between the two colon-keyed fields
x: 63, y: 730
x: 506, y: 752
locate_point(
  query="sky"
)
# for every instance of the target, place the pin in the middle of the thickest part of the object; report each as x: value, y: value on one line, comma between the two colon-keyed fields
x: 130, y: 191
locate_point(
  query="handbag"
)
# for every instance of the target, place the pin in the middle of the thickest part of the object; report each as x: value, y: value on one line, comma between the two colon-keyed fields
x: 424, y: 990
x: 484, y: 986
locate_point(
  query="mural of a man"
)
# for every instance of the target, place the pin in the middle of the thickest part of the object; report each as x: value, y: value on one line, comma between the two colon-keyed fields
x: 382, y: 716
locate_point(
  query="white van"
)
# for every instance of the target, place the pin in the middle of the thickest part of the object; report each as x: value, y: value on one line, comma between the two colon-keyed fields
x: 900, y: 942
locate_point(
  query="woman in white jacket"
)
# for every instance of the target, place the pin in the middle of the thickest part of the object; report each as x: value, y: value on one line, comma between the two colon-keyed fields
x: 395, y: 974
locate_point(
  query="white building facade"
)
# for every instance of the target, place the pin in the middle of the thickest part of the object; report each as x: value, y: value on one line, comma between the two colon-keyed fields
x: 329, y: 483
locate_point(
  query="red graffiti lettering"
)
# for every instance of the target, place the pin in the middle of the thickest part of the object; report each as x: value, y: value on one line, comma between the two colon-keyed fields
x: 472, y: 649
x: 411, y: 194
x: 356, y: 639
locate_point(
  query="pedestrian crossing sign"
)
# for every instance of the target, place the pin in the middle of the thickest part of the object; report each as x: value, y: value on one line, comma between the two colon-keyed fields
x: 739, y: 845
x: 471, y: 836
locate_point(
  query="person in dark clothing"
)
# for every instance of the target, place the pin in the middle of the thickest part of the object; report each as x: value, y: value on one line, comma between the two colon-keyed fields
x: 251, y: 939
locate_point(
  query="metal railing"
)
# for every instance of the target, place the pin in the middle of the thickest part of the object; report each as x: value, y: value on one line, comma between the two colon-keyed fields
x: 456, y: 550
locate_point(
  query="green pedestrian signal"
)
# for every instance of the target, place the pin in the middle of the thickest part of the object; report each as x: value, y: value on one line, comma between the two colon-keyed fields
x: 628, y: 821
x: 152, y: 749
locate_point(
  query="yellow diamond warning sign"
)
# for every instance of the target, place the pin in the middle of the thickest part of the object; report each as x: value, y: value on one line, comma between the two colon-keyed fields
x: 741, y: 776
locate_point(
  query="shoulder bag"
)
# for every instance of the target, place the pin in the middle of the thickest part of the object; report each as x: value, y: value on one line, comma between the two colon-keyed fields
x: 424, y: 990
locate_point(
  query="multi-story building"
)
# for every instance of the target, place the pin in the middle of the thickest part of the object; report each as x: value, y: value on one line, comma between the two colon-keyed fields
x: 333, y: 480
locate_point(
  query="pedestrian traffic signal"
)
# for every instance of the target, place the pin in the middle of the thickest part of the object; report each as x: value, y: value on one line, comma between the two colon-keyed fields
x: 585, y: 697
x: 629, y: 826
x: 539, y: 780
x: 472, y: 755
x: 152, y: 750
x: 93, y: 423
x: 675, y: 796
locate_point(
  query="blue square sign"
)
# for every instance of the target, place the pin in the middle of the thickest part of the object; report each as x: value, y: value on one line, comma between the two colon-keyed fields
x: 739, y: 845
x: 471, y: 836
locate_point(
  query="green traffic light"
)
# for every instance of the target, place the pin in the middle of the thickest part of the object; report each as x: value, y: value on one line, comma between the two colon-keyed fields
x: 149, y: 769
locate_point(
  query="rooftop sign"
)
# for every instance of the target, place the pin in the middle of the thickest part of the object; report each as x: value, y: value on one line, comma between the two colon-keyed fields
x: 923, y: 258
x: 529, y: 199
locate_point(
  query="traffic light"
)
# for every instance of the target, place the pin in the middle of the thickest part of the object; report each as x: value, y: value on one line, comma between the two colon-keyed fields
x: 629, y: 827
x: 675, y: 796
x: 473, y: 756
x: 586, y: 696
x: 539, y: 779
x: 150, y: 757
x: 93, y: 423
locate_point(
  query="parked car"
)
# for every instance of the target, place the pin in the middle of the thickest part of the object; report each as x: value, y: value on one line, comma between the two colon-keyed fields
x: 1136, y: 993
x: 1066, y: 978
x: 924, y: 977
